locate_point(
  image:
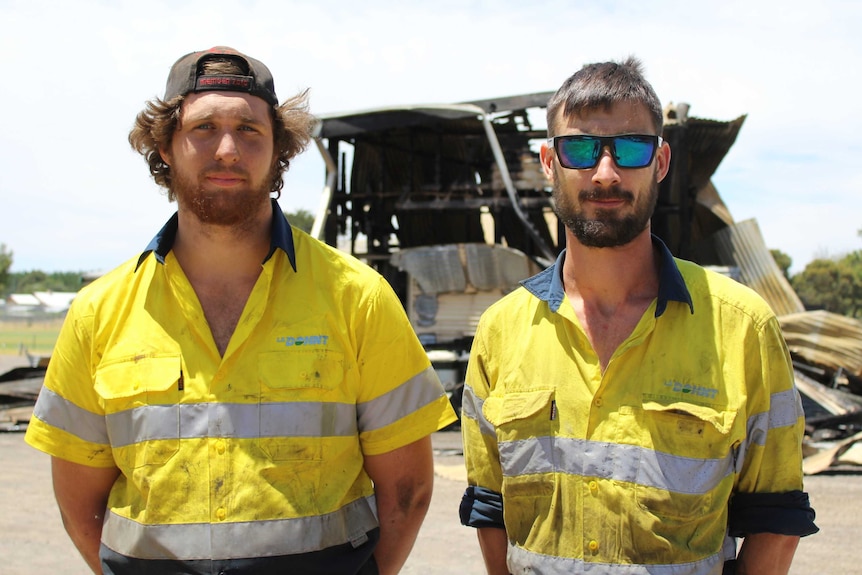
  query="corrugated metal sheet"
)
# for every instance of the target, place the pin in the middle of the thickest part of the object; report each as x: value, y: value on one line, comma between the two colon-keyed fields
x: 742, y: 245
x: 825, y: 399
x: 450, y: 286
x: 826, y: 339
x: 698, y: 146
x: 463, y: 267
x: 706, y: 143
x: 495, y: 267
x: 437, y: 269
x: 708, y: 197
x: 457, y: 315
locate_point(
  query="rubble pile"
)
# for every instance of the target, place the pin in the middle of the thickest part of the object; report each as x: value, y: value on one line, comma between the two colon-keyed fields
x: 827, y: 358
x: 19, y: 388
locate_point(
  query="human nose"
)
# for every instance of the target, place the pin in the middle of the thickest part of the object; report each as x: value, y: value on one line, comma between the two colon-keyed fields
x: 606, y: 172
x: 227, y: 150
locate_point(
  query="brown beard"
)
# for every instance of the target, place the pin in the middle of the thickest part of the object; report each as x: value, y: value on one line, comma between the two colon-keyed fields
x: 234, y: 208
x: 605, y: 230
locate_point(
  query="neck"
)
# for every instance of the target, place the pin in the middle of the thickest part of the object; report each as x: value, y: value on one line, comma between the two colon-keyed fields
x: 205, y: 250
x: 611, y: 276
x: 610, y: 289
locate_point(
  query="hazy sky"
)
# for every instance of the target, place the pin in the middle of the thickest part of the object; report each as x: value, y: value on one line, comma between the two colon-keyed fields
x: 74, y: 196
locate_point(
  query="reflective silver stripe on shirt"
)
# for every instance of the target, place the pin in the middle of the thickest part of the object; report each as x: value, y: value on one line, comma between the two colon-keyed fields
x: 239, y: 540
x: 630, y: 463
x: 785, y: 409
x: 63, y: 414
x: 522, y: 561
x: 420, y: 390
x: 240, y: 420
x: 471, y: 408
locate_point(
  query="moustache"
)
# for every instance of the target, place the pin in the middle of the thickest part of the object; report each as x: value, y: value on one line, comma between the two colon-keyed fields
x: 606, y: 194
x: 222, y: 171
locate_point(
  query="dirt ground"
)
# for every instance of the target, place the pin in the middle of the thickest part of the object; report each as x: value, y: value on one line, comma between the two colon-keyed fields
x: 32, y: 540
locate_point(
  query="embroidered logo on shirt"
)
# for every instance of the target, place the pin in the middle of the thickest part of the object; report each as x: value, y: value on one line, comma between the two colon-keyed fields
x: 303, y: 340
x: 690, y: 389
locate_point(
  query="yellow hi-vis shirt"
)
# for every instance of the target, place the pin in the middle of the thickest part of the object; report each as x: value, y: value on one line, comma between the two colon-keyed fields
x: 631, y: 470
x: 255, y: 454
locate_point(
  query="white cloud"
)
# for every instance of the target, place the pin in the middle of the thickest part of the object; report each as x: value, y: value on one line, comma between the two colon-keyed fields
x: 76, y: 197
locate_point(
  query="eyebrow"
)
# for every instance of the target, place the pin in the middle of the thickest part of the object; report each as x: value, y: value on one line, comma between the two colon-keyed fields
x: 210, y: 116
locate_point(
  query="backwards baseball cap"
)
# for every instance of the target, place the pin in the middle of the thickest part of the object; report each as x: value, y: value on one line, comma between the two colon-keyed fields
x: 185, y: 76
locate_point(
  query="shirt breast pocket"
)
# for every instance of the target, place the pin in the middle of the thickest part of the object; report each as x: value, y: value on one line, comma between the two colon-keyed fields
x: 525, y: 435
x: 688, y: 456
x: 141, y: 399
x: 299, y: 402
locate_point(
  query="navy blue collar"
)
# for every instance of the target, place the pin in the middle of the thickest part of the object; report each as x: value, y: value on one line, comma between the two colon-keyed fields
x: 281, y: 237
x: 548, y: 284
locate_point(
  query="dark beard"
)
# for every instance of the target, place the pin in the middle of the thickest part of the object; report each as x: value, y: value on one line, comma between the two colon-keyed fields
x: 235, y: 208
x: 605, y: 230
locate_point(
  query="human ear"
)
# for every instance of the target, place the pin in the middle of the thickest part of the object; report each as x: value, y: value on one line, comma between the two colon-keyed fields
x: 546, y: 155
x: 165, y: 154
x: 662, y: 158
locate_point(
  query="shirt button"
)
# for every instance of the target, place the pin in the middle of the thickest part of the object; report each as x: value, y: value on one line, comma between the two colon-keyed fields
x: 594, y: 545
x: 221, y: 514
x: 598, y: 402
x: 220, y: 446
x: 594, y: 486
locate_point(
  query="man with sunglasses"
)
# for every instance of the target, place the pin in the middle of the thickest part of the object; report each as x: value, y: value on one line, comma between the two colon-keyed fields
x: 626, y: 411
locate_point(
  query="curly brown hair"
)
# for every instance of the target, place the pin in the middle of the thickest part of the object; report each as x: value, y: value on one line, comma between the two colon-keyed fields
x: 293, y: 126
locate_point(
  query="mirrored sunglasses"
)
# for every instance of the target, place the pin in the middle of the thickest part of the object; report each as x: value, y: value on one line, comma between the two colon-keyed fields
x: 582, y: 152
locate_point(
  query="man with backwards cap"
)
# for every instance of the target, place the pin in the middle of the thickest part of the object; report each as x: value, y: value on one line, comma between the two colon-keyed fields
x: 238, y: 398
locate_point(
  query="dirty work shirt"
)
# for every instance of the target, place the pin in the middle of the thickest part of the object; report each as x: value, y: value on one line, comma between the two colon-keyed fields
x: 631, y: 470
x: 259, y: 453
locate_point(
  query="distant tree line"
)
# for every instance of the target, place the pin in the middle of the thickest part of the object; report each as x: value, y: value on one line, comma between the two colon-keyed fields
x: 301, y: 219
x: 831, y: 284
x: 35, y: 280
x: 5, y: 264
